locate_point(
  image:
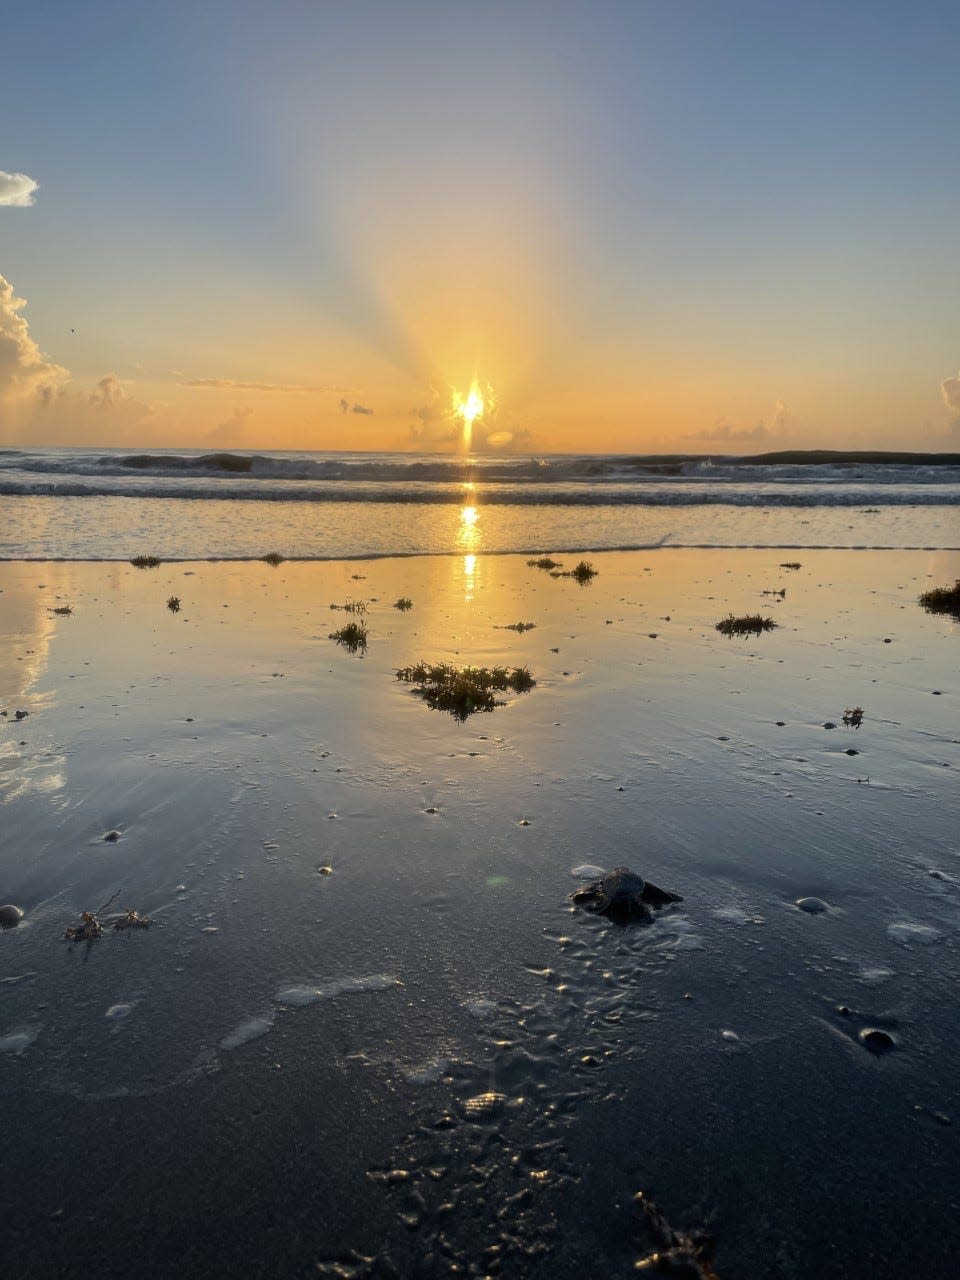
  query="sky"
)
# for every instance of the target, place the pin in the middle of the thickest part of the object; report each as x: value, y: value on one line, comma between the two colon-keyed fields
x: 636, y: 227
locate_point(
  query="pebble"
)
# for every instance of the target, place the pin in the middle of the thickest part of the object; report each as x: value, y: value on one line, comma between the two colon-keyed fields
x: 876, y: 1040
x: 828, y: 724
x: 325, y: 870
x: 729, y: 1035
x: 10, y: 916
x: 111, y: 837
x: 851, y: 751
x: 813, y: 906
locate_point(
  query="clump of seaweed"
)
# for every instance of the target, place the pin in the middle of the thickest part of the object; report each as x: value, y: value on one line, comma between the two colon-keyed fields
x: 678, y: 1252
x: 520, y: 627
x: 173, y: 604
x: 145, y: 562
x: 272, y: 557
x: 544, y: 562
x: 790, y: 564
x: 356, y: 607
x: 747, y: 625
x: 403, y: 604
x: 91, y: 925
x: 464, y: 690
x: 63, y: 610
x: 582, y: 573
x: 943, y: 600
x: 853, y: 717
x: 778, y: 594
x: 353, y: 637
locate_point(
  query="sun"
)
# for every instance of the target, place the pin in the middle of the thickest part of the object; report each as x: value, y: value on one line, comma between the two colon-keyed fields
x: 468, y: 409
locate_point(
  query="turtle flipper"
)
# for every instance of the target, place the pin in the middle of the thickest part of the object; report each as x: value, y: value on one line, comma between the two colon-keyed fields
x: 657, y: 897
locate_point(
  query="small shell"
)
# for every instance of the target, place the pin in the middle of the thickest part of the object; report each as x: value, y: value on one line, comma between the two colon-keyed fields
x: 10, y: 916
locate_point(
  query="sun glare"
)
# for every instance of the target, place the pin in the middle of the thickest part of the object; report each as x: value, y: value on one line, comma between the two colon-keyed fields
x: 468, y: 409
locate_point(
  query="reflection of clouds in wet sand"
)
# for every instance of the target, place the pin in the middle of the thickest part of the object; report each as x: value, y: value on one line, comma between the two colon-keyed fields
x: 31, y: 593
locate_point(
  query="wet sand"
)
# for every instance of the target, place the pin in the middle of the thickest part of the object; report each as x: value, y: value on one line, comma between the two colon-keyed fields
x: 367, y: 1022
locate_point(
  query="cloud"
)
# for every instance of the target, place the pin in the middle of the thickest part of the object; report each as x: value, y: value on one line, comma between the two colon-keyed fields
x: 108, y: 392
x: 345, y: 407
x: 727, y: 431
x: 950, y: 393
x: 782, y: 425
x: 950, y: 390
x: 16, y: 190
x: 38, y: 405
x: 233, y: 431
x: 24, y: 370
x: 228, y: 384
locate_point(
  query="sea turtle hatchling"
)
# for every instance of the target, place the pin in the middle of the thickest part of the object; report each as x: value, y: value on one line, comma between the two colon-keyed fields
x: 623, y: 895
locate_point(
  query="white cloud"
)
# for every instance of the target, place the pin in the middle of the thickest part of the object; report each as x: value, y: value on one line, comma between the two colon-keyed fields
x: 16, y: 190
x: 24, y: 370
x: 38, y: 405
x: 950, y: 390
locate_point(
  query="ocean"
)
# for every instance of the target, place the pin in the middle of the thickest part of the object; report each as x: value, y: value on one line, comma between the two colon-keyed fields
x: 108, y: 504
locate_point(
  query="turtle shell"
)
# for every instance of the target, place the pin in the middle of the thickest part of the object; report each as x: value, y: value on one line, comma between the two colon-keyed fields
x: 623, y: 893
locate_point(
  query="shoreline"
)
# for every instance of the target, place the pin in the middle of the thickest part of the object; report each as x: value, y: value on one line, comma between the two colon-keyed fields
x: 577, y: 550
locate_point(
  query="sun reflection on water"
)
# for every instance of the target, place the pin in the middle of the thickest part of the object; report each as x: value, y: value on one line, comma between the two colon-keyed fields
x: 469, y: 538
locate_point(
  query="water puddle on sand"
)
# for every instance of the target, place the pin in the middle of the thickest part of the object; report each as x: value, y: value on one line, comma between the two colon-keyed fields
x: 484, y: 1178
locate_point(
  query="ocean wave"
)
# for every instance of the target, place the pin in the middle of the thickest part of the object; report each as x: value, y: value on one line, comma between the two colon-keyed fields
x: 599, y: 471
x: 557, y: 495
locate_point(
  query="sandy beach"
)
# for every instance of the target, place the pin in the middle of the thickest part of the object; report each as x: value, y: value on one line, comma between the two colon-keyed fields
x: 367, y: 1031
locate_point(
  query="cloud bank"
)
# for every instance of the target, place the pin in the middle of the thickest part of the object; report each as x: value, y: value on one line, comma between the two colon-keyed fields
x: 780, y: 427
x: 16, y: 190
x: 36, y: 402
x: 233, y: 433
x: 726, y: 431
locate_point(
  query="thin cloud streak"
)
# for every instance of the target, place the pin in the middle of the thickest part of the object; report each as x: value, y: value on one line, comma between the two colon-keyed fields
x: 228, y: 384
